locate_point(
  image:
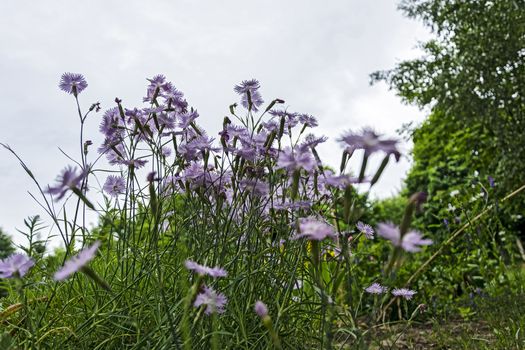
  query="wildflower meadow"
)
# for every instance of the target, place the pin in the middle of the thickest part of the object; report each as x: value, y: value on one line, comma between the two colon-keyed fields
x: 248, y: 239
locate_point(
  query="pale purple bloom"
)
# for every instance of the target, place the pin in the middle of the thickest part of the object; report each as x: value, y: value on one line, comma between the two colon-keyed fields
x: 77, y: 262
x: 370, y: 142
x: 256, y: 99
x: 166, y: 122
x: 290, y: 118
x: 187, y: 118
x: 174, y: 98
x: 301, y: 158
x: 157, y: 82
x: 114, y: 185
x: 292, y: 205
x: 411, y: 242
x: 261, y: 309
x: 247, y: 85
x: 112, y: 123
x: 308, y: 120
x: 15, y: 265
x: 312, y: 141
x: 404, y: 293
x: 375, y: 288
x: 68, y: 179
x: 202, y: 270
x: 72, y: 83
x: 215, y: 302
x: 366, y: 229
x: 314, y: 230
x: 338, y: 181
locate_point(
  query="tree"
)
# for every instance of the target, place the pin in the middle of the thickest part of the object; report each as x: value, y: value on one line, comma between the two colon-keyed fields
x: 472, y: 76
x: 6, y: 245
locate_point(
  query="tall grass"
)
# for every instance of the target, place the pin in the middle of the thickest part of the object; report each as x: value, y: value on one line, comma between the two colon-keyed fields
x: 258, y: 203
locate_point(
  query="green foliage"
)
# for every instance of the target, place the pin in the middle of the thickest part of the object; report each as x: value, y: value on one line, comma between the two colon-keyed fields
x: 6, y: 245
x: 472, y: 75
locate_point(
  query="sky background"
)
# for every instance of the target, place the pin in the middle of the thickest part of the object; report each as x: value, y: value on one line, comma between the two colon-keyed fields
x: 315, y: 55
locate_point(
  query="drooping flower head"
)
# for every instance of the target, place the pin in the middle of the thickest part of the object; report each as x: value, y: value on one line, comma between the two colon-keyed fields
x: 370, y: 142
x: 404, y: 293
x: 15, y: 265
x: 77, y: 262
x: 314, y: 230
x: 215, y: 302
x: 300, y: 158
x: 366, y: 229
x: 67, y: 180
x: 114, y: 185
x: 261, y: 309
x: 411, y: 241
x: 205, y: 270
x: 72, y: 83
x: 375, y: 288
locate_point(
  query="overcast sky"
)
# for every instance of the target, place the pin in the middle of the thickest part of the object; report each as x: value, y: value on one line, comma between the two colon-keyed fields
x: 316, y: 55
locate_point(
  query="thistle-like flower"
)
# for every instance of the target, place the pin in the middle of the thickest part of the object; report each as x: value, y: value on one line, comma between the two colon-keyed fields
x: 114, y: 185
x: 72, y: 83
x: 67, y: 180
x: 404, y: 293
x: 366, y: 229
x: 15, y: 265
x: 77, y: 262
x: 375, y: 288
x: 215, y: 302
x: 205, y: 270
x: 314, y: 230
x: 411, y: 241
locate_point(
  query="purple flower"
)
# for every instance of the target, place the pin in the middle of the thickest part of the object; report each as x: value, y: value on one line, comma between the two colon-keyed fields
x: 250, y: 86
x: 261, y: 309
x: 366, y: 229
x: 411, y: 242
x: 491, y: 181
x: 114, y: 185
x: 290, y: 118
x: 375, y: 288
x: 247, y: 85
x: 205, y: 270
x: 215, y: 302
x: 403, y: 292
x: 77, y: 262
x: 186, y: 119
x: 314, y: 230
x: 157, y: 82
x: 112, y: 124
x: 256, y: 99
x: 72, y: 83
x: 302, y: 158
x: 67, y: 180
x: 308, y: 120
x: 16, y: 265
x: 312, y: 141
x: 370, y: 142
